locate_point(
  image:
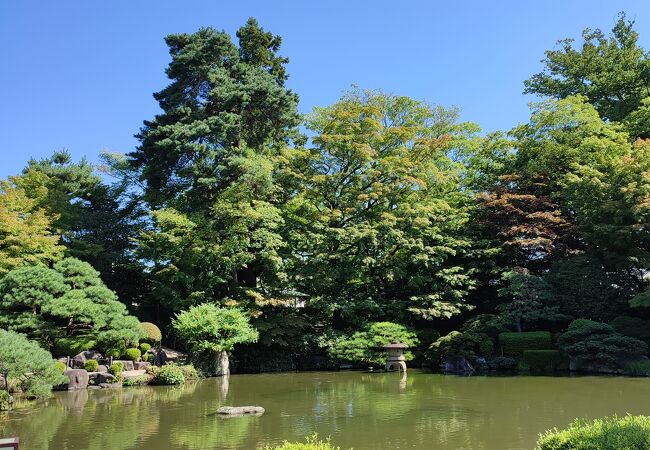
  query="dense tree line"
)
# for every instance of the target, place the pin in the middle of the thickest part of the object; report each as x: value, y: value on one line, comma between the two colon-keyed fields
x: 378, y: 208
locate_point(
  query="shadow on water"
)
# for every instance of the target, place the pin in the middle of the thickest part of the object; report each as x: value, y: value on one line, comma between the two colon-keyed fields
x: 364, y: 410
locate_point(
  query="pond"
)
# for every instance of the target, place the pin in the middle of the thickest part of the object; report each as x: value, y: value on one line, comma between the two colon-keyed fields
x: 362, y: 410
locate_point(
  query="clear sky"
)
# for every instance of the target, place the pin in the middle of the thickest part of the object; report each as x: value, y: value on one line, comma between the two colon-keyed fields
x: 79, y: 74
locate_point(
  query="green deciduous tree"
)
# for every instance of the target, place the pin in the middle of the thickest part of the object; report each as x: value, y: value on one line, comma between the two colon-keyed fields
x: 210, y: 332
x: 376, y: 225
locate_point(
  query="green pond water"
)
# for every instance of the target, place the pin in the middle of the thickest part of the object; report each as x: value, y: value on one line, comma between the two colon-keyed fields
x: 360, y: 410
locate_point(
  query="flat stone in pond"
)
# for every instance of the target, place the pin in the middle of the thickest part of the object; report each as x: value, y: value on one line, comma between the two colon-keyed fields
x: 231, y: 411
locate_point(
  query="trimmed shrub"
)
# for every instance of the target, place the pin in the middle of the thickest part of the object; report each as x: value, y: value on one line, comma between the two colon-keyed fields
x: 132, y: 354
x: 145, y: 347
x: 610, y: 433
x: 458, y: 344
x: 514, y: 344
x: 113, y: 352
x: 91, y: 365
x: 71, y: 346
x: 116, y: 369
x: 169, y: 374
x: 60, y: 365
x: 151, y: 333
x: 147, y: 357
x: 543, y: 360
x: 140, y: 380
x: 503, y: 363
x: 597, y: 347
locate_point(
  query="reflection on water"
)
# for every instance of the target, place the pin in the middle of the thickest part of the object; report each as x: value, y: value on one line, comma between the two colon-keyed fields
x: 362, y: 410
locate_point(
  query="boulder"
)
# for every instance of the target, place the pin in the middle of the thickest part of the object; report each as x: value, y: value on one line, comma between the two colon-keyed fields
x: 102, y: 368
x: 110, y: 385
x: 240, y: 411
x: 457, y: 364
x: 105, y: 377
x: 164, y: 355
x: 78, y: 379
x: 128, y: 365
x: 80, y: 359
x: 141, y: 365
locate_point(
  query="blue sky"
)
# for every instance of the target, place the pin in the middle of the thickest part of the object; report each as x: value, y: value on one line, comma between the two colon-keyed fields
x: 79, y: 75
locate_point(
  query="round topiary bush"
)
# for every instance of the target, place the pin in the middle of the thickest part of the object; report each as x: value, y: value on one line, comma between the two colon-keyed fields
x: 170, y: 374
x: 91, y: 365
x: 116, y: 369
x: 113, y: 353
x: 148, y: 357
x: 145, y: 347
x: 132, y: 354
x: 151, y: 332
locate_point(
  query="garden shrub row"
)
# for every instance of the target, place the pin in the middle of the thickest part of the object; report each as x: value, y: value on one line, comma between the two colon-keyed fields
x: 610, y: 433
x: 514, y: 344
x: 544, y: 360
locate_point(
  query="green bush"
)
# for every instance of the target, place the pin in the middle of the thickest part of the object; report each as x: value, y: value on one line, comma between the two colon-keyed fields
x: 190, y: 372
x: 152, y: 370
x: 71, y: 346
x: 132, y: 354
x: 610, y: 433
x: 597, y: 347
x: 311, y: 443
x: 145, y: 347
x: 151, y: 333
x: 543, y: 360
x: 514, y: 344
x: 5, y: 401
x: 632, y: 326
x: 147, y: 357
x: 113, y: 353
x: 91, y: 365
x: 169, y: 374
x: 60, y: 365
x: 140, y: 380
x: 638, y: 368
x: 364, y: 347
x: 116, y: 369
x: 466, y: 344
x: 503, y: 363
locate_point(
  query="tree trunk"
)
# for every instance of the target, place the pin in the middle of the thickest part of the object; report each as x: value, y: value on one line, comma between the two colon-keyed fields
x: 222, y: 364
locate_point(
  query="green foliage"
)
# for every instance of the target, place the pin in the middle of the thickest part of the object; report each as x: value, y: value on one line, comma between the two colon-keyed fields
x: 61, y: 366
x: 148, y: 357
x: 209, y: 328
x: 190, y: 372
x: 144, y: 347
x: 24, y: 361
x: 116, y: 369
x: 379, y: 210
x: 133, y: 354
x: 112, y: 353
x: 71, y: 346
x: 465, y: 344
x: 504, y: 363
x: 140, y: 380
x: 514, y: 344
x: 5, y: 401
x: 70, y: 297
x: 152, y: 370
x: 366, y: 346
x: 91, y: 365
x: 595, y: 346
x: 311, y: 443
x: 632, y: 326
x: 610, y: 433
x: 151, y: 333
x: 169, y: 374
x: 638, y: 368
x: 543, y: 360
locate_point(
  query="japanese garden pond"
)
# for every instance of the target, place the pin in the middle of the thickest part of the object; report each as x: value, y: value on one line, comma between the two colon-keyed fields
x: 362, y: 410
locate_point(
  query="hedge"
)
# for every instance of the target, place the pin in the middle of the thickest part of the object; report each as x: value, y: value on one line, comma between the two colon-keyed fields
x: 543, y: 359
x: 514, y: 344
x: 610, y: 433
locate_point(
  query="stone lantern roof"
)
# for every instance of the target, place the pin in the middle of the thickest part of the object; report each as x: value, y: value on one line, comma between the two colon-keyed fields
x: 395, y: 345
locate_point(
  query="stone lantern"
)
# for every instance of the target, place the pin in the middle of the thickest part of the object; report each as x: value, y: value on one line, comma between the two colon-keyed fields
x: 395, y: 351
